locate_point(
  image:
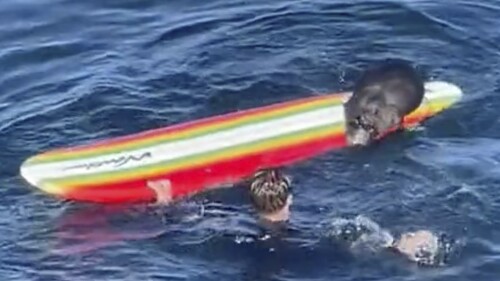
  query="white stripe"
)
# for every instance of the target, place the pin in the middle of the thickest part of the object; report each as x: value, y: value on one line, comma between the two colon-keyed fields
x: 202, y: 144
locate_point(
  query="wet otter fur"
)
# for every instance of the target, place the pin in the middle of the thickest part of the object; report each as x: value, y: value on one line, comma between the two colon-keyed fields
x: 382, y: 96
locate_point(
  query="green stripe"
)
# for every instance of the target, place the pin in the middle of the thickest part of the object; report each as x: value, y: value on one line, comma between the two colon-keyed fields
x: 439, y: 104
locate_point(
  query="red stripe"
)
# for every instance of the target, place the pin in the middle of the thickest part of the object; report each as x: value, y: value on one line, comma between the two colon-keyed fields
x: 407, y: 122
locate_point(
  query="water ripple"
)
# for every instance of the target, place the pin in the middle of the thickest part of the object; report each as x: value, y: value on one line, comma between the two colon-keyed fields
x: 75, y: 72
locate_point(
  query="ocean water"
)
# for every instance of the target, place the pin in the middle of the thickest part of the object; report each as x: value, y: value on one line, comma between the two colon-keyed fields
x: 78, y: 71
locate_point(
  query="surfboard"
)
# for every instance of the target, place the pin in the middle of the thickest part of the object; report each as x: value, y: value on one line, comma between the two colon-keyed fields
x: 207, y: 153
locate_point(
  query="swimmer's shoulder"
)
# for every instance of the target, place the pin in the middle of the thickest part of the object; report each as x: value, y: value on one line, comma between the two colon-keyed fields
x: 278, y: 230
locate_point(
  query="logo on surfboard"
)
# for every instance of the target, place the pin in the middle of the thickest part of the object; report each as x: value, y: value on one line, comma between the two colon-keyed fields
x: 114, y: 162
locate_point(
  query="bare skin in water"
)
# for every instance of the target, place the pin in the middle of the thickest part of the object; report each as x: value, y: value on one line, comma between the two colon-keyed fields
x: 423, y: 247
x: 420, y: 246
x: 163, y: 191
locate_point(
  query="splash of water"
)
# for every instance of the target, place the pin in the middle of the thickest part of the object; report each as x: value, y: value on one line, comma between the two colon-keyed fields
x: 361, y: 233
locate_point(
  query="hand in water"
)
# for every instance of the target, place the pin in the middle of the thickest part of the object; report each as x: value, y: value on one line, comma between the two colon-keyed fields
x: 420, y: 246
x: 427, y: 248
x: 423, y: 246
x: 163, y: 191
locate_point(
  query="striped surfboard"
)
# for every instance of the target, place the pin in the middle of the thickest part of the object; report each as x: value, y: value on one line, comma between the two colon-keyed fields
x: 206, y: 153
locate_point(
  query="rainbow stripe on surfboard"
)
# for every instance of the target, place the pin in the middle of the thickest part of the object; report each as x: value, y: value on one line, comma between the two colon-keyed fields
x: 206, y: 153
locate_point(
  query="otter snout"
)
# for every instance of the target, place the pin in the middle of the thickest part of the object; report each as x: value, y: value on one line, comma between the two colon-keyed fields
x: 358, y: 137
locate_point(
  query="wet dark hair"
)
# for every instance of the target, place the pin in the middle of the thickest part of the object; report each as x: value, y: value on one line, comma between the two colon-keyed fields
x: 269, y: 190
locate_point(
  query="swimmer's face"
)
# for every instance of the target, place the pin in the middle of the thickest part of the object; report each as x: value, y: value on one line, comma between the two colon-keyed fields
x: 419, y: 246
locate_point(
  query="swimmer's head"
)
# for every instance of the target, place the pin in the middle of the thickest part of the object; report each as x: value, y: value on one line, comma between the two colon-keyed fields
x: 424, y: 247
x: 270, y: 194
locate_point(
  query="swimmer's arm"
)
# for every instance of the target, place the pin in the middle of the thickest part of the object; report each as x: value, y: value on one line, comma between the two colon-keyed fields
x: 162, y: 190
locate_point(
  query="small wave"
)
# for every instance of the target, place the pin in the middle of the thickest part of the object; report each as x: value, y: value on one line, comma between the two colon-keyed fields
x: 476, y: 157
x: 188, y: 29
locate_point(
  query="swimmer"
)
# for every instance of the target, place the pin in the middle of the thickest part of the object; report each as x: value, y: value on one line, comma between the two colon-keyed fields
x: 270, y: 195
x: 422, y: 247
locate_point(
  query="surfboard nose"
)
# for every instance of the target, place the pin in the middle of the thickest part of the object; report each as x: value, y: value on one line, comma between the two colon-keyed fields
x: 438, y: 89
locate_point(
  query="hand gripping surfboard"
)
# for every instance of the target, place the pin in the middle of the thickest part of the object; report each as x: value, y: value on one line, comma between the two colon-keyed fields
x: 206, y: 153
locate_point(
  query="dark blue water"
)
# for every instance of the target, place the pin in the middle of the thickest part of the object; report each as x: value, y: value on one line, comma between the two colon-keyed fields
x: 77, y: 71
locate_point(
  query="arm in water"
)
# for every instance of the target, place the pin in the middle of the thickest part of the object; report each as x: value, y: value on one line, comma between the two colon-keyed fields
x: 423, y: 246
